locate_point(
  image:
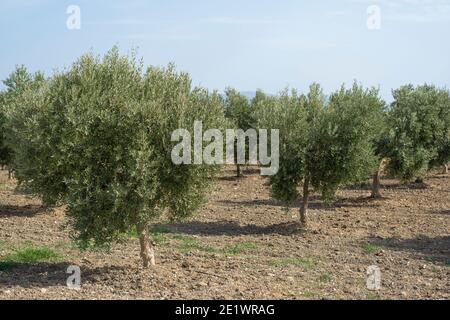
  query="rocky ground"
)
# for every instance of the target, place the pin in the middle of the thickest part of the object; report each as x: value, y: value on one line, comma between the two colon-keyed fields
x: 241, y: 245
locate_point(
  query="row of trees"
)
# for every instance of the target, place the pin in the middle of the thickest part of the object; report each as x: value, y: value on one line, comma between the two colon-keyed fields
x: 97, y: 137
x: 350, y: 135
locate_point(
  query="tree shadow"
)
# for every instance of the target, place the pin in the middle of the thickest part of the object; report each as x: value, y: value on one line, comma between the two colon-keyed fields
x: 229, y: 174
x: 256, y: 202
x: 315, y: 203
x: 252, y: 171
x: 231, y: 178
x: 441, y: 176
x: 407, y: 186
x: 444, y: 212
x: 231, y: 228
x: 367, y: 186
x: 433, y: 249
x: 28, y: 211
x: 47, y: 274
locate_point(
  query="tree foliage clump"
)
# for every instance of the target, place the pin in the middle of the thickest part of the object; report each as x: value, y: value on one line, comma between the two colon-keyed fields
x: 342, y: 143
x: 419, y: 131
x: 239, y: 113
x: 97, y: 137
x: 323, y: 142
x: 17, y: 83
x: 286, y: 113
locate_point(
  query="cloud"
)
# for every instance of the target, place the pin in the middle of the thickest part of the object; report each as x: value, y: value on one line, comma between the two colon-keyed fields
x: 240, y: 21
x: 419, y: 11
x: 417, y: 18
x: 162, y: 37
x: 121, y: 22
x: 294, y: 43
x: 337, y: 13
x: 20, y: 4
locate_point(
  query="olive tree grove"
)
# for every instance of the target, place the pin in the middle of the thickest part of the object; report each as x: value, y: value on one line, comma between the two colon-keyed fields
x: 97, y: 137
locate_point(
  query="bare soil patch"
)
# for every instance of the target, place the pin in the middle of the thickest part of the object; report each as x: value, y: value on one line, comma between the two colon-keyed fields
x: 241, y: 245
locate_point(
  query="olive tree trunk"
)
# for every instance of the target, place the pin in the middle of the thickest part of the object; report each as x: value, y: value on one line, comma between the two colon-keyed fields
x: 304, y: 206
x: 376, y: 182
x: 445, y: 171
x: 238, y: 171
x: 376, y: 185
x: 147, y: 250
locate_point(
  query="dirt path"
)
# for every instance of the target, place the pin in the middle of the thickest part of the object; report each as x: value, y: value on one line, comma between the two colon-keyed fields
x: 240, y: 246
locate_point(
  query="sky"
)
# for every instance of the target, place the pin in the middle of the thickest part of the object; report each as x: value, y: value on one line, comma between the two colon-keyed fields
x: 245, y: 44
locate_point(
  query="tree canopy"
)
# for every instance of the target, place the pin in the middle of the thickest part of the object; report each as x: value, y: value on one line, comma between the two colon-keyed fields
x: 97, y: 137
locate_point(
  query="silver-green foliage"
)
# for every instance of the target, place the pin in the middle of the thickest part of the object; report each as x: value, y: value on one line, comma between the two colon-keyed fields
x: 17, y: 83
x: 419, y: 131
x: 97, y: 137
x: 287, y: 113
x: 327, y: 142
x: 239, y: 113
x: 342, y: 141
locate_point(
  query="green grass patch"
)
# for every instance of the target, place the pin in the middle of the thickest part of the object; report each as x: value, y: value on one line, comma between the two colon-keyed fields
x: 132, y: 233
x: 156, y: 234
x: 325, y: 278
x: 28, y: 255
x: 158, y: 238
x: 240, y: 248
x: 179, y: 237
x: 306, y: 263
x: 160, y: 229
x: 187, y: 244
x: 5, y: 187
x: 372, y: 296
x: 308, y: 294
x: 369, y: 248
x: 66, y: 245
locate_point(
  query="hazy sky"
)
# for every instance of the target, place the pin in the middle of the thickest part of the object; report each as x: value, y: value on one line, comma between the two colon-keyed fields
x: 246, y: 44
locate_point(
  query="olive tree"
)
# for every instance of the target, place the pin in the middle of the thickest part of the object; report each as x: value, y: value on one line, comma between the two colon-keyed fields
x: 5, y: 152
x: 342, y: 149
x: 97, y: 137
x: 323, y: 143
x: 16, y: 84
x: 288, y: 112
x: 442, y: 134
x: 380, y: 141
x: 381, y: 149
x: 238, y: 111
x: 419, y: 136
